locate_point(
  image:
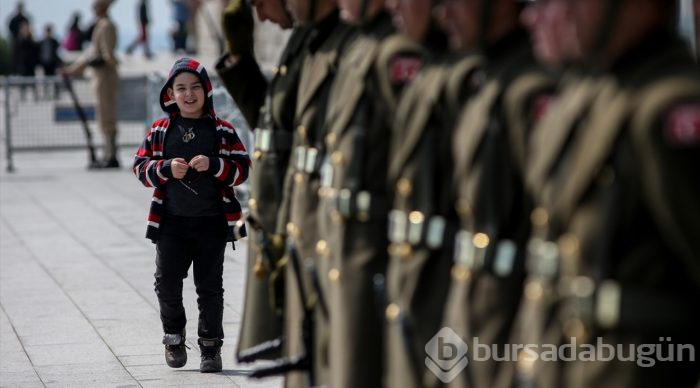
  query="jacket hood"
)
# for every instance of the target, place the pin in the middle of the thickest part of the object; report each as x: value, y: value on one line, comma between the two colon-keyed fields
x: 190, y: 65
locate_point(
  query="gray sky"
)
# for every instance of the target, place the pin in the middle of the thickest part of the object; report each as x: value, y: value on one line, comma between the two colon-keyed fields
x: 58, y: 12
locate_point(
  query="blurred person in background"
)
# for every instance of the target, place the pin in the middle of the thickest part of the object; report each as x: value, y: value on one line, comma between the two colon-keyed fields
x: 48, y: 55
x: 100, y: 56
x: 14, y: 26
x: 26, y: 55
x: 74, y: 38
x: 142, y: 38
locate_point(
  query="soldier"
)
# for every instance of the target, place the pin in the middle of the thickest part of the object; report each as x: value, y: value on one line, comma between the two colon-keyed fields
x: 297, y: 214
x: 489, y: 147
x: 613, y: 261
x: 270, y: 108
x: 354, y: 200
x: 422, y: 221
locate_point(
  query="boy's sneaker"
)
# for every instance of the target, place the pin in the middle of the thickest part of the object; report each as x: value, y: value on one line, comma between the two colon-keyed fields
x: 175, y: 350
x: 211, y: 355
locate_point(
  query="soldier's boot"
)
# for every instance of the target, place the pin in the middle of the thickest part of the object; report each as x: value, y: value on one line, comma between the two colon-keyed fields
x: 211, y: 355
x: 175, y: 350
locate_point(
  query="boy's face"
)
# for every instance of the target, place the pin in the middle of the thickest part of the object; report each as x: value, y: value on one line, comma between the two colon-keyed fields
x: 188, y: 93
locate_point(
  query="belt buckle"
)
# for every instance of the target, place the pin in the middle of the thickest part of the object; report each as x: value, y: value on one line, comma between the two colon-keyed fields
x: 363, y: 201
x: 265, y: 140
x: 397, y: 226
x: 436, y: 232
x: 300, y: 158
x: 326, y: 173
x: 464, y: 248
x: 310, y: 162
x: 504, y: 258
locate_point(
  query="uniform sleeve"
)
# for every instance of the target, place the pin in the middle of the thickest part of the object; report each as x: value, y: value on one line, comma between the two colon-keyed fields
x: 232, y: 165
x: 149, y: 167
x: 246, y: 84
x: 670, y: 153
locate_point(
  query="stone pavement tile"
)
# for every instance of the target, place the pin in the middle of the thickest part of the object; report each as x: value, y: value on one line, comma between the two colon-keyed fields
x: 143, y: 359
x: 66, y: 354
x: 4, y: 384
x: 188, y: 375
x: 15, y: 367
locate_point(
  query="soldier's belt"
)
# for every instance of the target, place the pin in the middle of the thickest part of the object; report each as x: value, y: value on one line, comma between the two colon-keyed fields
x: 268, y: 140
x: 360, y: 205
x: 307, y: 159
x: 415, y: 229
x: 612, y: 305
x: 476, y: 251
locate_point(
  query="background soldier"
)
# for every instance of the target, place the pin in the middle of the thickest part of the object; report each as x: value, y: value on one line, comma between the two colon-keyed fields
x: 423, y: 221
x: 354, y: 203
x: 489, y: 146
x: 297, y: 215
x: 614, y: 254
x: 270, y: 107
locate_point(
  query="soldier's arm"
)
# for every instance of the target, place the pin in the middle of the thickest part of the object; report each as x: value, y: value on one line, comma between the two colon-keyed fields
x: 669, y: 152
x: 238, y: 69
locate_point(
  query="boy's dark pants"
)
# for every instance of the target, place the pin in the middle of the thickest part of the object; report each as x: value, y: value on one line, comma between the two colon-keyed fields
x: 182, y: 241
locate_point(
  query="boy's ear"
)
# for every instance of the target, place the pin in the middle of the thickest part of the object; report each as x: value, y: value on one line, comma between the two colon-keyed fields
x: 171, y: 94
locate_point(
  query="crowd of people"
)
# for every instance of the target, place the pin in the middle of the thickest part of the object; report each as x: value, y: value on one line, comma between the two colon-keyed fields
x: 518, y: 172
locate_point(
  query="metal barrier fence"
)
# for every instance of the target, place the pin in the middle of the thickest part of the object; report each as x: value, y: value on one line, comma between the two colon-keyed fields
x: 39, y: 113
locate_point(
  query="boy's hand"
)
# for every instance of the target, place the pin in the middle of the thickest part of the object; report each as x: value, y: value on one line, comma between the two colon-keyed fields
x: 200, y: 163
x: 179, y: 168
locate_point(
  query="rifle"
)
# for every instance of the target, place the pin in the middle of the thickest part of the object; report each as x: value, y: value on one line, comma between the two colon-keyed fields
x: 83, y: 118
x: 304, y: 361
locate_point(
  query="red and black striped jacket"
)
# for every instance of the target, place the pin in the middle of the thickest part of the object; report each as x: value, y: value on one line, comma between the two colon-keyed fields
x: 230, y: 168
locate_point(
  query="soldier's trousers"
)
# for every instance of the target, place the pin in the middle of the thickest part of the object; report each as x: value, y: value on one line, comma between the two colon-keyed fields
x: 197, y: 241
x: 107, y: 87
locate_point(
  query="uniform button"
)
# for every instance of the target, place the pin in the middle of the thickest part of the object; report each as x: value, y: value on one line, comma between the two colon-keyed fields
x: 534, y: 290
x: 337, y: 158
x: 404, y: 187
x: 481, y: 240
x: 400, y: 250
x: 463, y: 207
x: 392, y: 311
x: 253, y: 204
x: 301, y: 130
x: 299, y: 178
x: 416, y: 217
x: 539, y: 217
x: 330, y: 139
x: 336, y: 217
x: 275, y: 70
x: 526, y: 362
x: 334, y: 275
x: 574, y: 328
x: 568, y: 244
x: 283, y: 70
x: 322, y: 248
x: 257, y: 155
x: 460, y: 273
x: 292, y: 230
x: 263, y: 109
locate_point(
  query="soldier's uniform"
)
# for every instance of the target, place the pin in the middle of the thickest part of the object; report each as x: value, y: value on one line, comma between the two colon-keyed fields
x: 354, y: 201
x: 489, y: 147
x: 274, y: 123
x: 422, y: 221
x: 297, y: 215
x: 615, y: 247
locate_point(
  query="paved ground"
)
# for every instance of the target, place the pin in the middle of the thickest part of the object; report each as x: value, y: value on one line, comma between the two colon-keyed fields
x: 77, y: 306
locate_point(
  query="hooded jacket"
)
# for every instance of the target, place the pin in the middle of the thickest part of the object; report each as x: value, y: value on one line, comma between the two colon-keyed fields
x: 230, y: 168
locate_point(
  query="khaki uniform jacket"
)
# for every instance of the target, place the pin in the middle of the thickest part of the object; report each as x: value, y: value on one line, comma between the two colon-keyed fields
x: 354, y: 203
x: 270, y: 107
x: 420, y: 173
x: 489, y: 259
x: 615, y: 254
x: 297, y: 214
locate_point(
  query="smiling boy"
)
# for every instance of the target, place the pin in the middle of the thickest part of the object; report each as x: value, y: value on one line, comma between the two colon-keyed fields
x: 193, y: 159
